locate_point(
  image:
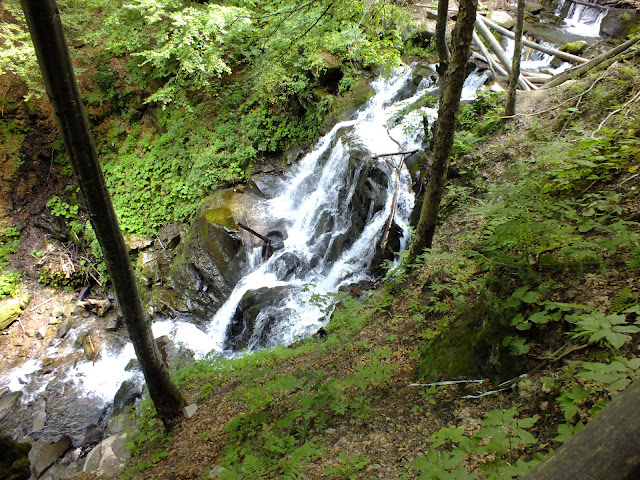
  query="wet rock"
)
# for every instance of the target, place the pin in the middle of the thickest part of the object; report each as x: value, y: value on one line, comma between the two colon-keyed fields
x: 39, y: 420
x: 154, y: 266
x: 126, y: 395
x: 170, y: 235
x: 211, y: 259
x: 422, y: 71
x: 14, y: 459
x: 161, y: 300
x: 64, y: 328
x: 45, y: 457
x: 618, y: 22
x: 258, y: 313
x: 288, y: 266
x: 174, y: 355
x: 113, y: 321
x: 7, y: 402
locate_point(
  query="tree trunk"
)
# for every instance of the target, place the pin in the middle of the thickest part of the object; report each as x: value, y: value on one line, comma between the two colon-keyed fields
x: 607, y: 448
x: 51, y: 48
x: 510, y: 109
x: 456, y: 73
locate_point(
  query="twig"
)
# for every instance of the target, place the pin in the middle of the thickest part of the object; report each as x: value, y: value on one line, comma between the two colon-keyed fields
x: 444, y: 382
x: 396, y: 153
x: 161, y: 244
x: 634, y: 99
x: 630, y: 178
x: 40, y: 305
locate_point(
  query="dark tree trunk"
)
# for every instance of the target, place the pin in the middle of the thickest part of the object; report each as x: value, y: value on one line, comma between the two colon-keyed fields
x: 441, y: 37
x: 607, y: 448
x: 456, y: 73
x: 510, y: 108
x: 48, y: 38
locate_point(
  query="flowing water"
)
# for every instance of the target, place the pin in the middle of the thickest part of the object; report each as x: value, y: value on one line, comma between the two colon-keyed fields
x: 582, y: 19
x: 333, y: 232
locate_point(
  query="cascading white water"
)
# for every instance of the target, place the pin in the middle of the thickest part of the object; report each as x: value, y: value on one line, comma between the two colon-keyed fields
x: 581, y: 19
x: 318, y: 201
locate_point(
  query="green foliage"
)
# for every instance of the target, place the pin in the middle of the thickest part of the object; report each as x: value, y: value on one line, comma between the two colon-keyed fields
x: 608, y: 329
x: 615, y: 375
x: 17, y: 54
x: 501, y: 434
x: 10, y: 281
x: 349, y: 466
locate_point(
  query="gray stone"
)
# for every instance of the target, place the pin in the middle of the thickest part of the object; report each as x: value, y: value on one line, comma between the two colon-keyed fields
x: 40, y: 419
x: 113, y: 321
x: 108, y: 457
x: 41, y: 333
x: 7, y: 402
x: 49, y: 454
x: 57, y: 312
x: 215, y: 471
x: 137, y: 243
x: 64, y: 327
x: 190, y: 410
x: 502, y: 18
x: 93, y: 460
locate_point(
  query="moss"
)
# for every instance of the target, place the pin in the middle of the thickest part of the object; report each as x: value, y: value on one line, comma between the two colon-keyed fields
x: 14, y: 460
x: 340, y: 106
x: 574, y: 48
x: 471, y: 347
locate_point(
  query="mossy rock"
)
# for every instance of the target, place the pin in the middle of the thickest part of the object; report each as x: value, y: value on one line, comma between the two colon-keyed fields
x: 574, y: 48
x: 14, y: 459
x: 341, y: 106
x: 471, y: 347
x: 11, y: 308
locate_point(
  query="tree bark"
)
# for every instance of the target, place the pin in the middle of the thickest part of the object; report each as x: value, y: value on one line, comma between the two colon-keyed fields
x: 510, y: 109
x: 607, y: 448
x: 51, y: 48
x: 460, y: 46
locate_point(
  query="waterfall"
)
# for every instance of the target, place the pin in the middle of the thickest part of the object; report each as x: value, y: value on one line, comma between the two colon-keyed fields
x: 581, y: 19
x: 336, y: 202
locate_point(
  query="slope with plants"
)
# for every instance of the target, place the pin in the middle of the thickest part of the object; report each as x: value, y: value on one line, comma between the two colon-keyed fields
x: 530, y: 295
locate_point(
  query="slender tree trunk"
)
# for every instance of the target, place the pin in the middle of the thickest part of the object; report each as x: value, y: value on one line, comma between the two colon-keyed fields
x: 456, y: 73
x: 51, y: 48
x: 510, y: 108
x: 441, y: 37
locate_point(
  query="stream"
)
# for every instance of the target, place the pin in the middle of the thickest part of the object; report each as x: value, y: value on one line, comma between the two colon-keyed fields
x: 333, y: 232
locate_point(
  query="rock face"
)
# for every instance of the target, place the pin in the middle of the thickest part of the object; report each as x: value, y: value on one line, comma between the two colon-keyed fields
x: 212, y: 257
x: 46, y: 457
x: 108, y: 457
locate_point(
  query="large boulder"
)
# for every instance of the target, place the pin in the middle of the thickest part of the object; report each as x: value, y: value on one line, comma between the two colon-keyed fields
x: 212, y: 257
x: 257, y: 314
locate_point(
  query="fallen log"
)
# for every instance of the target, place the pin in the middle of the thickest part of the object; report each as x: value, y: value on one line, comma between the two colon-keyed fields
x: 267, y: 250
x: 494, y: 66
x: 493, y: 44
x: 578, y: 71
x: 527, y: 43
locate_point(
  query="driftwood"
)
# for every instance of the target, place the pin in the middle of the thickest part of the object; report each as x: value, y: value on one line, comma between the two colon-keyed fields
x: 527, y: 43
x: 578, y: 71
x: 394, y: 203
